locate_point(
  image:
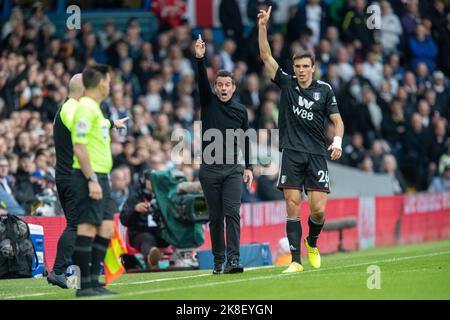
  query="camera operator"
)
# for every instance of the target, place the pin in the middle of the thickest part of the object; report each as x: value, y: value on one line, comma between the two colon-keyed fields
x: 137, y: 216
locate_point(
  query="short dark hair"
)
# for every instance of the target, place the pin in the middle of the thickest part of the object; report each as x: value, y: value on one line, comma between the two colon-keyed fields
x: 92, y: 75
x: 304, y: 54
x: 225, y: 73
x: 25, y: 155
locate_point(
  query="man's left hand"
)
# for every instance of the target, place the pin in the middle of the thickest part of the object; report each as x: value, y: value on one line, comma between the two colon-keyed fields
x: 248, y: 177
x: 336, y: 148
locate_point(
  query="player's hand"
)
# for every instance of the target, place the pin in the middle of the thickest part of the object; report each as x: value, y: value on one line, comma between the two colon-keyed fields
x: 263, y: 17
x: 336, y: 148
x: 141, y: 207
x: 200, y: 48
x: 248, y: 177
x: 120, y: 123
x: 95, y: 190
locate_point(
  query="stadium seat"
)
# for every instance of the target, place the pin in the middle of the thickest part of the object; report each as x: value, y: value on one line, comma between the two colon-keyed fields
x: 130, y: 249
x: 166, y: 253
x: 340, y: 225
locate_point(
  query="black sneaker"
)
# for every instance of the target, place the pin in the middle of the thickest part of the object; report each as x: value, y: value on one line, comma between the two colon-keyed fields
x: 218, y: 268
x: 105, y: 292
x: 89, y: 292
x: 57, y: 280
x: 233, y: 266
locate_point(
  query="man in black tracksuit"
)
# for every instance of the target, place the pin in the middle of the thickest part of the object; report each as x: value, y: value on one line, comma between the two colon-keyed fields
x: 220, y: 173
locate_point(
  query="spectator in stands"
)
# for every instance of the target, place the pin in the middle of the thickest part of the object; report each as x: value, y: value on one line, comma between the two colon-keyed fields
x: 3, y: 146
x: 422, y: 48
x: 24, y: 189
x: 10, y: 203
x: 423, y: 78
x: 162, y: 131
x: 109, y: 34
x: 6, y: 188
x: 444, y: 160
x: 333, y: 77
x: 410, y: 18
x: 251, y: 96
x: 253, y: 7
x: 361, y: 37
x: 393, y: 126
x: 16, y: 19
x: 373, y: 70
x: 90, y: 48
x: 442, y: 96
x: 389, y: 166
x: 366, y: 164
x: 226, y: 54
x: 438, y: 145
x: 170, y: 13
x: 415, y: 153
x: 231, y: 20
x: 311, y: 14
x: 441, y: 183
x: 373, y: 116
x: 354, y: 152
x: 444, y: 47
x: 38, y: 19
x: 391, y: 28
x: 377, y: 150
x: 41, y: 161
x: 119, y: 186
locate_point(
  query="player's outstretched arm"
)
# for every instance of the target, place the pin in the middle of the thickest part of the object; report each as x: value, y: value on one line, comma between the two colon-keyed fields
x: 264, y: 47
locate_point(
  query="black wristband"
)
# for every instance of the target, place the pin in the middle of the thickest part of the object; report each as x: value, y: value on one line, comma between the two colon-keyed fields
x: 112, y: 124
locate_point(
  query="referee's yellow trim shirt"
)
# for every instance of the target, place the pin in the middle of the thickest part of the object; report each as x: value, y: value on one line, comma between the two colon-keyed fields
x: 92, y: 129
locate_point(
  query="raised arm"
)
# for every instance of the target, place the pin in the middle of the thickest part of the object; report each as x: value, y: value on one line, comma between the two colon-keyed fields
x: 264, y: 47
x: 204, y: 87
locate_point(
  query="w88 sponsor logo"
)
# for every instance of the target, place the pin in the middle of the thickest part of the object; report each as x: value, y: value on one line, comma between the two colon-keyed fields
x: 304, y: 114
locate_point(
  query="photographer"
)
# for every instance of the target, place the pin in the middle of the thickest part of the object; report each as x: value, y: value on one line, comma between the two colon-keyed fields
x: 137, y: 216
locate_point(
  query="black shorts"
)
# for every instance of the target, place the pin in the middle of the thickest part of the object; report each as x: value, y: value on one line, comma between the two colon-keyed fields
x: 89, y: 210
x: 303, y: 171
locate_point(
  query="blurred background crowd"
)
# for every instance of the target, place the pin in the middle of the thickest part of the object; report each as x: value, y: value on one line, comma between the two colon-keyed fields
x: 391, y: 84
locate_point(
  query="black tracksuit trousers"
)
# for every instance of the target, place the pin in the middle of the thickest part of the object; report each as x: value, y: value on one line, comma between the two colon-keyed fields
x: 222, y: 185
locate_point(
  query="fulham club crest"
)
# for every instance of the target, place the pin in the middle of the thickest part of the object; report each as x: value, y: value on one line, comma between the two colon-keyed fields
x: 283, y: 179
x: 316, y: 96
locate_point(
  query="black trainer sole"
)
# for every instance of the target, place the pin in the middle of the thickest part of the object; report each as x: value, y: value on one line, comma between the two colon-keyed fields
x: 235, y: 270
x: 57, y: 284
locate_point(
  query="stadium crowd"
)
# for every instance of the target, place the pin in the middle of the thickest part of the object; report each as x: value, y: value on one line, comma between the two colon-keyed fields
x: 391, y: 84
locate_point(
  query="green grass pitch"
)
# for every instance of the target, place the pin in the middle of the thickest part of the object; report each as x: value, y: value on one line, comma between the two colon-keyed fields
x: 404, y: 272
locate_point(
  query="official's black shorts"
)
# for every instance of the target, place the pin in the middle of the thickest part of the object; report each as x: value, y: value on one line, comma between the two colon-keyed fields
x: 89, y: 210
x: 303, y: 171
x: 67, y: 198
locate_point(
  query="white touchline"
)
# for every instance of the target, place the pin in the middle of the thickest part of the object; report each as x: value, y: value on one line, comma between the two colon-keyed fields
x: 181, y: 278
x: 210, y: 284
